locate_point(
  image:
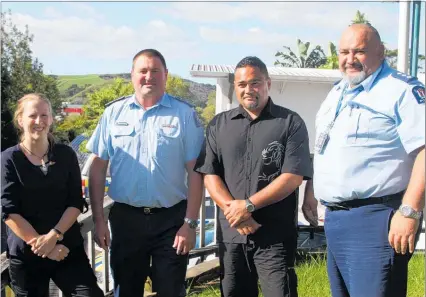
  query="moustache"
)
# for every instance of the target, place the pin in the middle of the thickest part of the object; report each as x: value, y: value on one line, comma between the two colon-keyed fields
x: 356, y: 65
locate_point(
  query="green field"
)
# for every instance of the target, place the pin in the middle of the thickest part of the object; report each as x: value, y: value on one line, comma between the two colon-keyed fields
x: 87, y: 83
x: 66, y: 81
x: 313, y: 282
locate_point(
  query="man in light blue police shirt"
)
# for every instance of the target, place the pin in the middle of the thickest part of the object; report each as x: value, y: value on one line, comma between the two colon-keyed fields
x: 369, y: 170
x: 152, y: 141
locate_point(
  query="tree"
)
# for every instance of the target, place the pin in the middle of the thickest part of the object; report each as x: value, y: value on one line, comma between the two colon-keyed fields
x: 208, y: 112
x: 20, y: 74
x: 392, y: 57
x: 360, y: 18
x: 175, y: 86
x: 332, y: 59
x: 315, y: 59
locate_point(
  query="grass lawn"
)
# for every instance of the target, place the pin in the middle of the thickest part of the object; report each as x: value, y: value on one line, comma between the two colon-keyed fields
x: 313, y: 280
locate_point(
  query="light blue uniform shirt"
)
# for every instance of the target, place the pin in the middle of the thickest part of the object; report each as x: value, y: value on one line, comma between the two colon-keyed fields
x: 370, y: 149
x: 148, y: 150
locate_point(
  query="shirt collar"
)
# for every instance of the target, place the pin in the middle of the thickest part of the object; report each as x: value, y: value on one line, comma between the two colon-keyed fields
x: 164, y: 101
x: 268, y: 109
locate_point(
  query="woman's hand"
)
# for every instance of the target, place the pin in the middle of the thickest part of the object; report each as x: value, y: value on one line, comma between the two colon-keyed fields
x: 43, y: 244
x: 58, y: 253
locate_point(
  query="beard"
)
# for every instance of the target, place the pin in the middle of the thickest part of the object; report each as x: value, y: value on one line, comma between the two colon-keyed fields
x: 355, y: 80
x: 252, y: 105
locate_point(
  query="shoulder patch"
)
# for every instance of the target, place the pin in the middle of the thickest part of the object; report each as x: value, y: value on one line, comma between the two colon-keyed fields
x: 419, y: 94
x: 404, y: 77
x: 116, y: 100
x: 183, y: 101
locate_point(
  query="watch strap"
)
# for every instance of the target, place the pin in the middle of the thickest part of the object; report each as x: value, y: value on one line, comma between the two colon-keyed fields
x: 193, y: 224
x: 59, y: 234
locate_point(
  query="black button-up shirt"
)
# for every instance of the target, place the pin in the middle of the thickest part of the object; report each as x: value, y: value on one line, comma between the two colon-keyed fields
x: 248, y: 155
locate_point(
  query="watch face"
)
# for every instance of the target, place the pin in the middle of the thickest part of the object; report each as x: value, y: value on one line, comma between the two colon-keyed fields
x: 250, y: 207
x: 406, y: 211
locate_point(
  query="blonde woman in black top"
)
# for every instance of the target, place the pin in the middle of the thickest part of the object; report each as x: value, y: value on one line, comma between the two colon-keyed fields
x: 41, y: 199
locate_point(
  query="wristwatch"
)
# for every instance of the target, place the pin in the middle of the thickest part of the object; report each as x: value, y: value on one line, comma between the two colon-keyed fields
x: 250, y: 206
x: 59, y: 235
x: 408, y: 212
x: 192, y: 223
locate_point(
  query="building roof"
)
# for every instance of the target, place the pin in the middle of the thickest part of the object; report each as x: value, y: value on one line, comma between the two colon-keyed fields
x: 276, y: 73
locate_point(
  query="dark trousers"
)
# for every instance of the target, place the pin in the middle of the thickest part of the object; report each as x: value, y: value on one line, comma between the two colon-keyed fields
x: 30, y: 275
x: 140, y: 239
x: 360, y: 260
x: 242, y: 265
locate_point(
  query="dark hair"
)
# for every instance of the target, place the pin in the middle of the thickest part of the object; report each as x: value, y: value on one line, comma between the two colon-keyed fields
x: 253, y: 62
x: 149, y: 52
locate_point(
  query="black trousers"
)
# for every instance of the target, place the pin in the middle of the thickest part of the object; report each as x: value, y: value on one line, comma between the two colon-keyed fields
x: 140, y: 239
x: 30, y: 275
x: 242, y: 265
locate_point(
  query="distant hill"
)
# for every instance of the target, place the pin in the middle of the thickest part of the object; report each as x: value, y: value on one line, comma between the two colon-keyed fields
x: 74, y: 88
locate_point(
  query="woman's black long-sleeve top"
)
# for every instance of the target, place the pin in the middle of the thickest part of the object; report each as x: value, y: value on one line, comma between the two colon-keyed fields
x: 38, y: 198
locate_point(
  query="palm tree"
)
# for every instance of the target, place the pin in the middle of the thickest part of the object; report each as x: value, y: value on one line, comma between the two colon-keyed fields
x: 360, y: 18
x: 315, y: 59
x: 332, y: 59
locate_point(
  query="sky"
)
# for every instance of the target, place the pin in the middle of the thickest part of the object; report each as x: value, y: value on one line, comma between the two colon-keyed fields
x: 102, y: 37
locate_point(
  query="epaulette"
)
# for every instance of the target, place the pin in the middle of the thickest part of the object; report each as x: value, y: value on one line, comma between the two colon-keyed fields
x: 404, y: 77
x: 116, y: 100
x: 183, y: 101
x: 337, y: 82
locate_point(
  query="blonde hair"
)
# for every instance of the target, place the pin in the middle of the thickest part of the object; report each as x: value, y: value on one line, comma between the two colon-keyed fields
x: 20, y: 109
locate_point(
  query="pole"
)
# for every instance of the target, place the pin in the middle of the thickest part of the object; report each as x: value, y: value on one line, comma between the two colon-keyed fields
x: 415, y: 38
x: 403, y: 35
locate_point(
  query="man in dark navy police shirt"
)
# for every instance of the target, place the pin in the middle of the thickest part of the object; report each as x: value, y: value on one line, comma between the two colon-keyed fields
x: 254, y: 158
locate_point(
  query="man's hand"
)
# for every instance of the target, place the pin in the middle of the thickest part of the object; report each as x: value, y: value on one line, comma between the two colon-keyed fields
x: 43, y: 244
x: 310, y: 210
x: 184, y: 240
x: 102, y: 234
x: 236, y: 212
x: 58, y: 253
x: 402, y: 233
x: 247, y: 227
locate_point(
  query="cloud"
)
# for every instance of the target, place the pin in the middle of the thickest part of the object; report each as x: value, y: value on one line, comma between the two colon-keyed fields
x: 323, y: 21
x: 87, y: 37
x: 83, y: 9
x: 251, y: 36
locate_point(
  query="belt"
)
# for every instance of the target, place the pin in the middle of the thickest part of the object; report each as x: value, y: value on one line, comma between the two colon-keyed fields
x: 347, y: 205
x: 152, y: 210
x: 148, y: 210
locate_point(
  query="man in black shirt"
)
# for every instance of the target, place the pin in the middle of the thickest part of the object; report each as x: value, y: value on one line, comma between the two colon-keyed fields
x: 254, y: 159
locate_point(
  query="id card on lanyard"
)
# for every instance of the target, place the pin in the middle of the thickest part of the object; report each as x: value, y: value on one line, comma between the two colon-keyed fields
x: 324, y: 136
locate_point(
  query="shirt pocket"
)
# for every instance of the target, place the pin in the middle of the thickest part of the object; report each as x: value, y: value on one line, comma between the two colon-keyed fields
x: 168, y: 142
x: 358, y: 126
x: 123, y: 136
